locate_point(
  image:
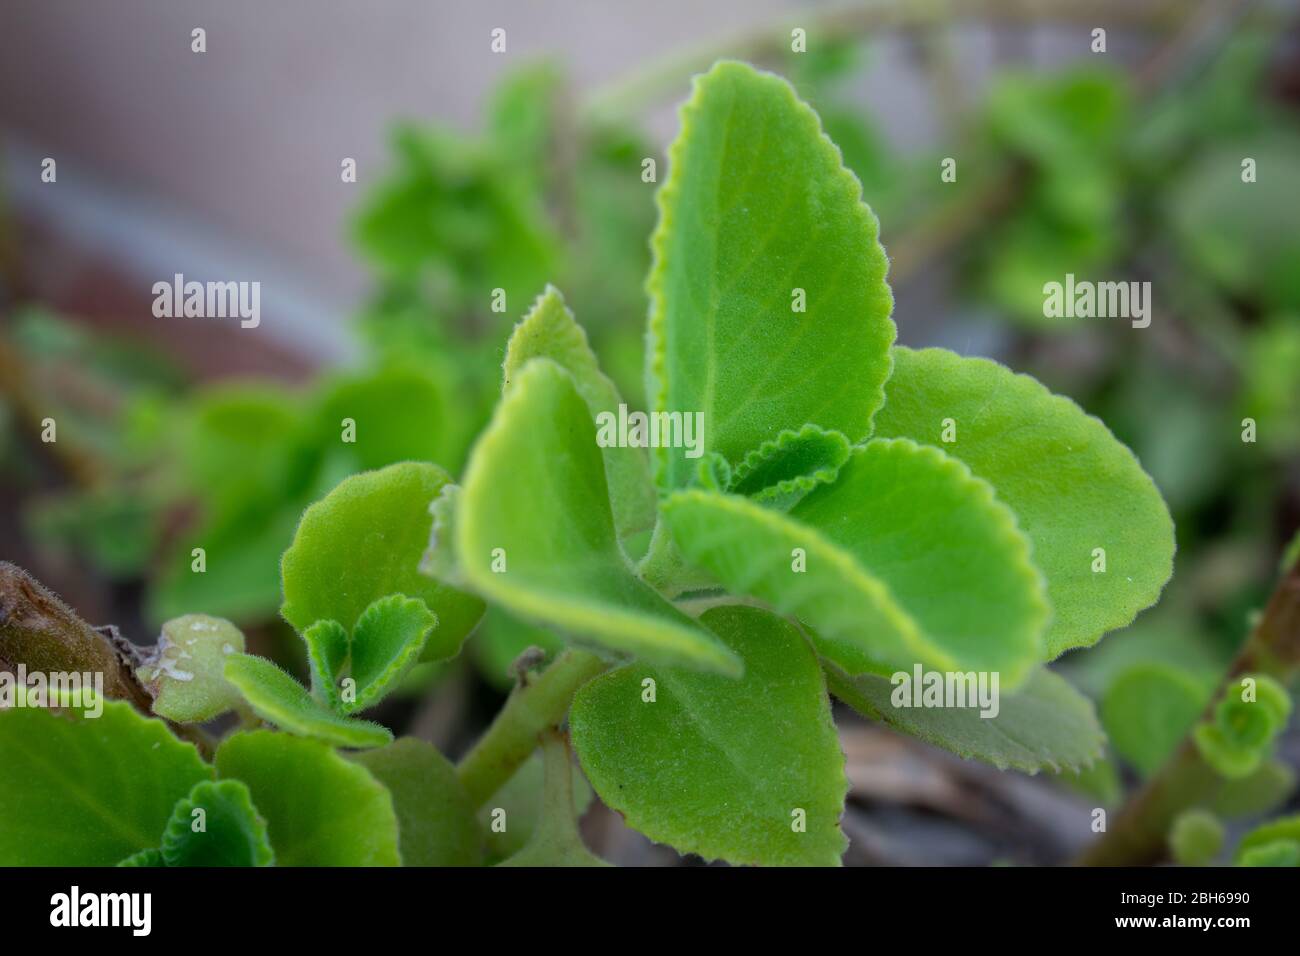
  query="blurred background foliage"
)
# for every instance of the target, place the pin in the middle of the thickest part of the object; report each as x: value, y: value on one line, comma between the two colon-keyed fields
x: 1096, y: 170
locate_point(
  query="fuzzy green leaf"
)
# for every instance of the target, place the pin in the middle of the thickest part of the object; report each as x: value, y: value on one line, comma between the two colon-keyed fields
x: 906, y: 559
x: 320, y: 808
x: 229, y: 832
x: 1196, y: 837
x: 757, y: 205
x: 1046, y: 723
x: 387, y: 641
x: 327, y: 658
x: 1276, y: 843
x: 435, y: 817
x: 535, y: 505
x: 278, y: 698
x: 144, y: 858
x: 184, y: 671
x: 721, y: 767
x: 364, y: 541
x: 779, y: 473
x: 77, y: 791
x: 550, y: 331
x: 1072, y: 485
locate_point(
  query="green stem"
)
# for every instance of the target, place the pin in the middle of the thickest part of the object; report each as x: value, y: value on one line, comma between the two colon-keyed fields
x: 533, y: 707
x: 1138, y: 833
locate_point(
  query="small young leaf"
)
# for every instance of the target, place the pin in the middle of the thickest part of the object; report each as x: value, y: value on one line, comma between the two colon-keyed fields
x: 779, y: 473
x: 232, y: 832
x: 1148, y: 710
x: 184, y: 672
x: 907, y: 558
x: 78, y: 791
x: 320, y: 808
x: 1046, y: 723
x: 436, y: 821
x: 327, y: 656
x: 739, y: 238
x: 386, y: 642
x: 746, y: 770
x: 1072, y: 485
x: 1196, y: 838
x: 364, y: 541
x: 1240, y: 736
x: 550, y: 331
x: 278, y: 698
x: 535, y: 533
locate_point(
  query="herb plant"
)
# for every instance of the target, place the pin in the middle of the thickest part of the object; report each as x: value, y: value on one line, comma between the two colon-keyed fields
x: 859, y: 509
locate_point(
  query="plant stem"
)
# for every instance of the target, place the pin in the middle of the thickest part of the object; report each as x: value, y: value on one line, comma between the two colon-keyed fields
x: 534, y: 707
x: 1138, y: 833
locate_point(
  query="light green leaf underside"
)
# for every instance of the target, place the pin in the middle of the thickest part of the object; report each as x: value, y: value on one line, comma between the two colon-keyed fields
x: 364, y: 541
x: 320, y: 808
x: 718, y: 767
x: 1147, y: 710
x: 780, y: 472
x: 279, y: 699
x: 1046, y: 723
x: 550, y: 331
x: 535, y: 489
x: 231, y: 832
x: 555, y: 840
x: 757, y: 204
x: 184, y: 669
x: 436, y: 821
x: 908, y: 560
x: 1071, y: 484
x: 387, y: 641
x: 78, y: 791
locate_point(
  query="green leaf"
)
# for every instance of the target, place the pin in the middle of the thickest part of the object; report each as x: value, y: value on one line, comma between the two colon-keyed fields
x: 230, y: 831
x: 364, y: 541
x: 555, y: 840
x: 184, y: 671
x: 550, y: 331
x: 144, y: 858
x: 327, y: 658
x: 1046, y: 723
x: 79, y: 791
x: 739, y: 231
x: 278, y: 698
x: 1148, y: 710
x: 436, y: 821
x: 1261, y: 792
x: 1072, y: 485
x: 1281, y: 837
x: 779, y: 473
x: 387, y: 641
x: 320, y: 808
x: 1240, y: 736
x: 521, y: 801
x: 535, y: 506
x: 906, y: 559
x: 722, y: 767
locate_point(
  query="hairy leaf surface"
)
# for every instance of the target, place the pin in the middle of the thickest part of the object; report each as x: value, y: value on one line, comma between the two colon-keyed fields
x: 720, y: 767
x: 232, y: 832
x: 758, y: 204
x: 1072, y: 485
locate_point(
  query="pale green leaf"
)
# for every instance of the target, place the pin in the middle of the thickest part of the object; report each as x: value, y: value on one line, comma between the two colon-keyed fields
x: 521, y: 802
x: 555, y: 840
x: 722, y: 768
x: 364, y: 541
x: 1148, y: 710
x: 1196, y: 837
x: 1282, y: 835
x: 1046, y: 723
x: 536, y: 507
x: 320, y: 808
x: 1072, y: 485
x: 79, y: 791
x: 550, y: 331
x: 435, y: 817
x: 279, y: 699
x: 228, y: 832
x: 184, y: 670
x: 905, y: 559
x: 757, y: 205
